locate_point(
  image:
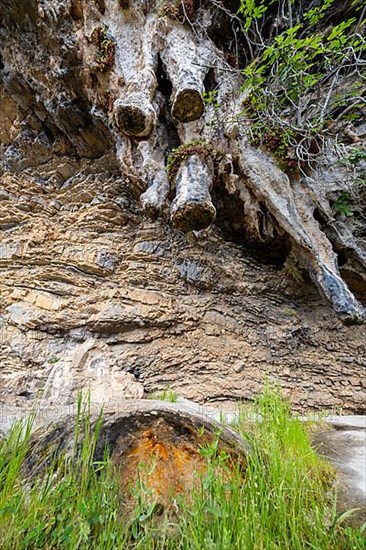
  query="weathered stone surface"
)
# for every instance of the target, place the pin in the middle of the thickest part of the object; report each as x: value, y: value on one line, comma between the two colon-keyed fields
x: 94, y: 294
x: 345, y: 447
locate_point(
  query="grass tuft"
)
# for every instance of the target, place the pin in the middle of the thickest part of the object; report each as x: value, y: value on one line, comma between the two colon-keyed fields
x: 283, y: 500
x: 167, y: 394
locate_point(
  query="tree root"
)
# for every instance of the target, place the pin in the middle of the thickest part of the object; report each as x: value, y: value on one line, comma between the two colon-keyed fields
x: 294, y: 215
x: 186, y: 63
x: 192, y: 208
x: 134, y: 115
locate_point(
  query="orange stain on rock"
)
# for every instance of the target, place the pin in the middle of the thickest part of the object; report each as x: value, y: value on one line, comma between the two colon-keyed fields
x: 165, y: 462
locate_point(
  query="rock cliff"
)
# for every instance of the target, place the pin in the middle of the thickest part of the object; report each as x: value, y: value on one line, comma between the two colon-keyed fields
x: 210, y: 276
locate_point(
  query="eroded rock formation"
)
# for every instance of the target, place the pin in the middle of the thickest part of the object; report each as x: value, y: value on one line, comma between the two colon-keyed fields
x: 104, y: 117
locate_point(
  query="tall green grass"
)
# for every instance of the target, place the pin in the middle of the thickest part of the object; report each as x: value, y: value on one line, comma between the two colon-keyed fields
x: 284, y: 500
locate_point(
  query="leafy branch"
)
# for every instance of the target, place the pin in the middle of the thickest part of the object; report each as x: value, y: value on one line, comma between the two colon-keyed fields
x: 304, y: 80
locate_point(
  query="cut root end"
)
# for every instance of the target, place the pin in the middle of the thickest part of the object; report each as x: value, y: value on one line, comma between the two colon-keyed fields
x: 193, y: 216
x: 188, y: 105
x: 134, y: 116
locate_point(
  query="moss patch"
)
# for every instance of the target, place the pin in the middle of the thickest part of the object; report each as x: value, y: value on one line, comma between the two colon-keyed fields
x: 196, y: 147
x: 106, y: 48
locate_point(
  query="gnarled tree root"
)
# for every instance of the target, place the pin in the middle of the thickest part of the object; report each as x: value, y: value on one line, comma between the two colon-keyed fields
x: 187, y: 102
x: 335, y: 290
x: 292, y: 211
x: 186, y: 63
x: 154, y: 198
x: 134, y: 115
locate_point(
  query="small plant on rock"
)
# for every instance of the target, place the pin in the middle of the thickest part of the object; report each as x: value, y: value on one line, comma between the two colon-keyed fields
x: 105, y: 48
x: 343, y: 205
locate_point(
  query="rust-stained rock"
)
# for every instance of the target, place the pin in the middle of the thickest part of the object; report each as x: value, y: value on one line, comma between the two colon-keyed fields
x: 151, y: 442
x: 162, y: 450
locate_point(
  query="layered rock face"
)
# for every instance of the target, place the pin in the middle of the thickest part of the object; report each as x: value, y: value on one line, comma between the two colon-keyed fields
x: 93, y: 293
x: 94, y: 96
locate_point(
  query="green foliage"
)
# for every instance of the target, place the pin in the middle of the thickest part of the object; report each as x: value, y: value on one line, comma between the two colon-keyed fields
x: 281, y: 501
x: 251, y: 10
x: 357, y: 155
x: 274, y: 138
x: 352, y: 201
x: 73, y: 503
x: 306, y: 77
x: 343, y: 205
x: 210, y: 98
x: 314, y: 15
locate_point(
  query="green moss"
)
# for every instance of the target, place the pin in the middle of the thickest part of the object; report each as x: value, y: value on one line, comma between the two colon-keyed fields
x: 196, y: 147
x: 282, y: 143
